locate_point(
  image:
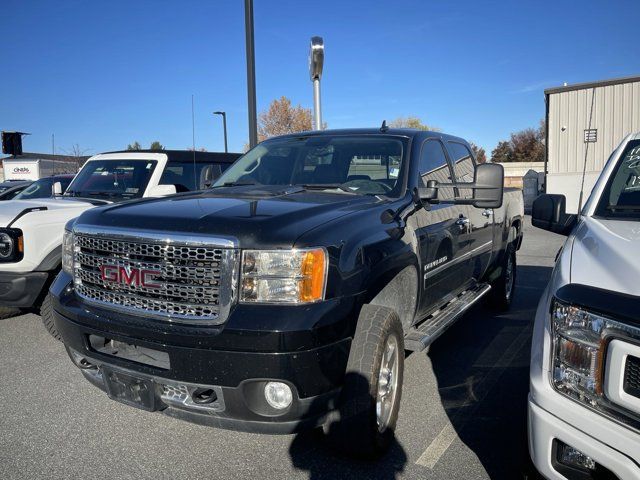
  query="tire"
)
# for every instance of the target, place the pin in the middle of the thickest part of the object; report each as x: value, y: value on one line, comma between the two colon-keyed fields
x: 503, y: 287
x: 46, y: 313
x: 358, y: 430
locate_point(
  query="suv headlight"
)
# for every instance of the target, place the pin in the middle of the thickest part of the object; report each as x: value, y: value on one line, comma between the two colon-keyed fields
x: 11, y: 245
x: 67, y: 252
x: 283, y: 276
x: 579, y: 341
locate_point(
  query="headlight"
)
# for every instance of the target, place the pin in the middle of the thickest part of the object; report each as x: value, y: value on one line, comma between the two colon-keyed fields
x: 283, y: 276
x: 11, y: 245
x: 580, y: 339
x: 67, y: 252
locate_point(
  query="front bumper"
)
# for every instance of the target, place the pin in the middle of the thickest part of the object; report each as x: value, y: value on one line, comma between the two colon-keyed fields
x: 544, y: 428
x: 21, y: 290
x: 236, y: 359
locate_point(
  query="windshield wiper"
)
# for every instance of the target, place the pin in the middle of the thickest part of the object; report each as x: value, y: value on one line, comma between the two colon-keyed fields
x: 328, y: 186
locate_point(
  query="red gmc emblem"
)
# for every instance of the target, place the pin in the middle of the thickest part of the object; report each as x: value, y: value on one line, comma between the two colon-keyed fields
x: 137, y: 277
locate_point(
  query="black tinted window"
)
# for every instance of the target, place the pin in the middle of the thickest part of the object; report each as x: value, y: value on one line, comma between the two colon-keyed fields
x: 434, y: 166
x: 464, y: 167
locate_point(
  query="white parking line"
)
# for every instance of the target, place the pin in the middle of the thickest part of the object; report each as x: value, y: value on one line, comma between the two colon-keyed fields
x: 448, y: 434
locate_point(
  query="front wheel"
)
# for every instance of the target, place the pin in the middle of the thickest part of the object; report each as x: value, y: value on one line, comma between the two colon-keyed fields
x: 503, y: 287
x: 46, y: 313
x: 373, y: 385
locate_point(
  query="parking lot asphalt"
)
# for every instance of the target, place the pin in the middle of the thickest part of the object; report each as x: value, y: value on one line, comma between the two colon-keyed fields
x: 462, y: 416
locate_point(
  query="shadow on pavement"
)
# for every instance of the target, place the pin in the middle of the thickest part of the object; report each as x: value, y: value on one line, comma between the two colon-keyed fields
x: 326, y: 455
x: 482, y: 369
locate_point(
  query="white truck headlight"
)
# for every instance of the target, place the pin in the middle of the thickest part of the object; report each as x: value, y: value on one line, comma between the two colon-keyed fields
x: 67, y: 252
x: 283, y: 276
x: 579, y: 341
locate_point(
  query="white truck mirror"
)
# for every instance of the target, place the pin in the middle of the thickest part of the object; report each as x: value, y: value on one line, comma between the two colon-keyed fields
x: 56, y: 189
x: 162, y: 190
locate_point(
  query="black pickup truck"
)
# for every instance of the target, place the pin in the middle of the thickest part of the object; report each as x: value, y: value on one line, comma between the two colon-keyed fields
x: 285, y: 296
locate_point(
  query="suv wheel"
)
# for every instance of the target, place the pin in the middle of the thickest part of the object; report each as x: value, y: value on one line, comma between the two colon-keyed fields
x: 373, y: 385
x: 46, y: 313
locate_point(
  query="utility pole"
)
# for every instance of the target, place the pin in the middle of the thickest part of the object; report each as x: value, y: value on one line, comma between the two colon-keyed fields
x: 224, y: 125
x: 316, y: 62
x: 251, y: 73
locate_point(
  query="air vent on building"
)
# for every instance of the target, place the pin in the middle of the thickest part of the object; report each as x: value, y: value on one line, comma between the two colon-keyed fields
x: 590, y: 135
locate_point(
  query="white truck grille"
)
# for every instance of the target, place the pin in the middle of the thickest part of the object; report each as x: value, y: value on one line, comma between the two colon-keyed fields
x: 177, y: 280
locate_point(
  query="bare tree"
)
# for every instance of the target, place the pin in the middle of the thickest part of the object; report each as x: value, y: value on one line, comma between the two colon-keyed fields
x: 77, y: 154
x: 411, y: 122
x: 282, y: 118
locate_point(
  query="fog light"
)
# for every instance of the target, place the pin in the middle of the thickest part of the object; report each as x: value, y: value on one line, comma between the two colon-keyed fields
x: 278, y: 395
x: 573, y: 457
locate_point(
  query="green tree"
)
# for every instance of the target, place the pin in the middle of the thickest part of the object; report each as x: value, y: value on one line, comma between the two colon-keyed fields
x: 156, y: 146
x: 502, y: 153
x: 411, y: 122
x: 134, y: 146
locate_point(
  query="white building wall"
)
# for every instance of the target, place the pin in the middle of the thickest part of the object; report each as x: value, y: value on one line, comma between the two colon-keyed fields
x: 616, y: 113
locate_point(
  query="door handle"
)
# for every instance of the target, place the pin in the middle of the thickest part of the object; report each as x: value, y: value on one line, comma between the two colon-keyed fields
x: 487, y: 212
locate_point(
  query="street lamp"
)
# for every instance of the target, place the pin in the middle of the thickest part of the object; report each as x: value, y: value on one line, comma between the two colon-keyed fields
x: 224, y: 124
x: 251, y: 73
x: 316, y: 62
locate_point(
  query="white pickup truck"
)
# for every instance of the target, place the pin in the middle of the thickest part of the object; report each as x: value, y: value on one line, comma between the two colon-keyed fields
x: 31, y: 230
x: 584, y: 400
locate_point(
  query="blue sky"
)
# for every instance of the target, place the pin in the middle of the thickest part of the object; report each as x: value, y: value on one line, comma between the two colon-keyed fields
x: 103, y: 74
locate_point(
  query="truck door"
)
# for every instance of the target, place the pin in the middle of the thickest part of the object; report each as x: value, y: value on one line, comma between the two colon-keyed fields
x: 440, y: 231
x: 478, y: 238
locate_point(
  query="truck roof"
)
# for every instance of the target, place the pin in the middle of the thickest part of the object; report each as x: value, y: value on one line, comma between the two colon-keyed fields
x: 189, y: 155
x: 404, y: 132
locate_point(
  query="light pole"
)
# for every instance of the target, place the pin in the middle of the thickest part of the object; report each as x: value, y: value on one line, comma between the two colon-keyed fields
x: 251, y: 73
x: 224, y: 125
x: 316, y: 62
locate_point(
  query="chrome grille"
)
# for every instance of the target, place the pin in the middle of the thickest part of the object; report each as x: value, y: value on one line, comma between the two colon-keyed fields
x: 193, y: 281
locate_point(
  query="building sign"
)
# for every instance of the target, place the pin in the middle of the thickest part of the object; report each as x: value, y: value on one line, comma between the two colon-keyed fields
x: 590, y: 135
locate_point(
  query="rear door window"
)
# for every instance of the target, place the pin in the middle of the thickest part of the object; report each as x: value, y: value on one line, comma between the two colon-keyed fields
x: 463, y: 166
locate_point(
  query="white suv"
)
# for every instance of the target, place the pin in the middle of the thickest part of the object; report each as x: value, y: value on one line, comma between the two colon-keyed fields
x: 584, y: 400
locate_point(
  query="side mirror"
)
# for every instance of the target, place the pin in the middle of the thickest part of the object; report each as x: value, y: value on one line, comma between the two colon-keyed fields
x: 488, y: 188
x: 549, y: 212
x: 488, y: 185
x: 56, y: 189
x: 162, y: 190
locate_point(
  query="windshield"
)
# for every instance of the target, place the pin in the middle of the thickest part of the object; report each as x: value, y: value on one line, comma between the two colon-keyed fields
x: 621, y: 196
x: 357, y: 164
x: 42, y: 188
x: 112, y: 179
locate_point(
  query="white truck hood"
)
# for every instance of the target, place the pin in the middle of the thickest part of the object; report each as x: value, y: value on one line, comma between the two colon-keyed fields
x: 11, y: 208
x: 605, y: 255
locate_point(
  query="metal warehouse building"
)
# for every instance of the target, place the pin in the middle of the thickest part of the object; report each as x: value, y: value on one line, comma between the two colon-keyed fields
x: 586, y: 119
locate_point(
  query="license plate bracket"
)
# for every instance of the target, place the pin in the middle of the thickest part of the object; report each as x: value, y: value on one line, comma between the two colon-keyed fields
x: 129, y: 389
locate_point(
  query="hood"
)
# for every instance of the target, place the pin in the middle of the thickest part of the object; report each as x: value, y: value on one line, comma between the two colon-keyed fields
x: 10, y: 209
x: 605, y: 255
x: 268, y: 217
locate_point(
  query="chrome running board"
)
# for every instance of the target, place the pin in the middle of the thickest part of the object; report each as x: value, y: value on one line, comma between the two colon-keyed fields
x: 421, y: 335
